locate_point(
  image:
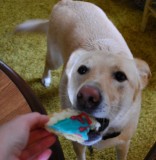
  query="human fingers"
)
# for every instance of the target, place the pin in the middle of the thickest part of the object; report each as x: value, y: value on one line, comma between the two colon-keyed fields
x: 43, y: 155
x: 38, y: 134
x: 38, y: 147
x: 35, y: 120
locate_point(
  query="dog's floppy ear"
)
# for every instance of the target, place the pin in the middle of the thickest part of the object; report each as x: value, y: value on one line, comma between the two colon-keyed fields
x: 144, y: 72
x: 74, y: 58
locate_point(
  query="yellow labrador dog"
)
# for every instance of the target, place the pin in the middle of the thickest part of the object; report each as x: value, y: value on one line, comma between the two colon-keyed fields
x: 100, y: 75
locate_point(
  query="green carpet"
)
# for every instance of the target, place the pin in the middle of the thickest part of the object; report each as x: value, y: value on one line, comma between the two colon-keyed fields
x: 25, y: 53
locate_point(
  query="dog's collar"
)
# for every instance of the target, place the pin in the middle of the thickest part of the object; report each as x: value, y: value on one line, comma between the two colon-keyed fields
x: 111, y: 135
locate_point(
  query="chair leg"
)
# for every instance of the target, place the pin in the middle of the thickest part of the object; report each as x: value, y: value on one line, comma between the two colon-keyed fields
x: 145, y: 15
x: 152, y: 153
x: 57, y: 152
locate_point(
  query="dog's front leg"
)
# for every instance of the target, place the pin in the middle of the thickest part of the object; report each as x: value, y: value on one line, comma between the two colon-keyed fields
x: 79, y: 150
x: 53, y: 61
x: 46, y: 78
x: 122, y: 150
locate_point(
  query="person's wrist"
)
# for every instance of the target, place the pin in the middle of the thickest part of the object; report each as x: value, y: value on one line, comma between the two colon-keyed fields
x: 7, y: 150
x: 4, y: 148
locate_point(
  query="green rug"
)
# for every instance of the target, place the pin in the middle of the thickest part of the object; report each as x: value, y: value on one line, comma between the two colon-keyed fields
x: 25, y: 53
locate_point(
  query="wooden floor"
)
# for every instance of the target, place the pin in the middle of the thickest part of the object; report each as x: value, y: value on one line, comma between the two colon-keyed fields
x: 16, y: 98
x: 12, y: 102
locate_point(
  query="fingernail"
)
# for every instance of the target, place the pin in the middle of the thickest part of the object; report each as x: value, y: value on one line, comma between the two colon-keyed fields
x: 45, y: 155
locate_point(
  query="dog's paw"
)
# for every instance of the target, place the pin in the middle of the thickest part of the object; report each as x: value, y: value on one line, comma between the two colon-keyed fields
x: 46, y: 81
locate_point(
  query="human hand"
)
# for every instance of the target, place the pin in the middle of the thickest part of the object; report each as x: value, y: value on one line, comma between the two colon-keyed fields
x: 25, y: 138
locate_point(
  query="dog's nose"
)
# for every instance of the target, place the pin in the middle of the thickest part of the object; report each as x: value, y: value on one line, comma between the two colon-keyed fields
x: 88, y: 97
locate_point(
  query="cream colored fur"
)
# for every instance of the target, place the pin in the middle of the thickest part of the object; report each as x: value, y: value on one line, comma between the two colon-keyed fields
x: 79, y: 33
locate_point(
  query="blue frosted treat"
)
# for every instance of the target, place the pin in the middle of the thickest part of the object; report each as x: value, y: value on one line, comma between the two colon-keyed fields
x: 72, y: 124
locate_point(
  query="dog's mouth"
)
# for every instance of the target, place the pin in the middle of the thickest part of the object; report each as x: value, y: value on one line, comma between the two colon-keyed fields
x: 103, y: 122
x: 95, y: 136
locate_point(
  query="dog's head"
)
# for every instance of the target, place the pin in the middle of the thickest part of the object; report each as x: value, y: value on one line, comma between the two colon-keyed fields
x: 105, y: 86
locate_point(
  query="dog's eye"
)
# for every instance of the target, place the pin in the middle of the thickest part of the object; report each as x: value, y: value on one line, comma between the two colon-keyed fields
x: 82, y: 69
x: 120, y: 76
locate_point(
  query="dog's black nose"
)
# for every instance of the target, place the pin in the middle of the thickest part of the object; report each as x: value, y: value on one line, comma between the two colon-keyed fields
x: 88, y: 97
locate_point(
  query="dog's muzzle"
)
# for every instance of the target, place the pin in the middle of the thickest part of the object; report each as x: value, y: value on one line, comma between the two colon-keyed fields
x: 88, y: 98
